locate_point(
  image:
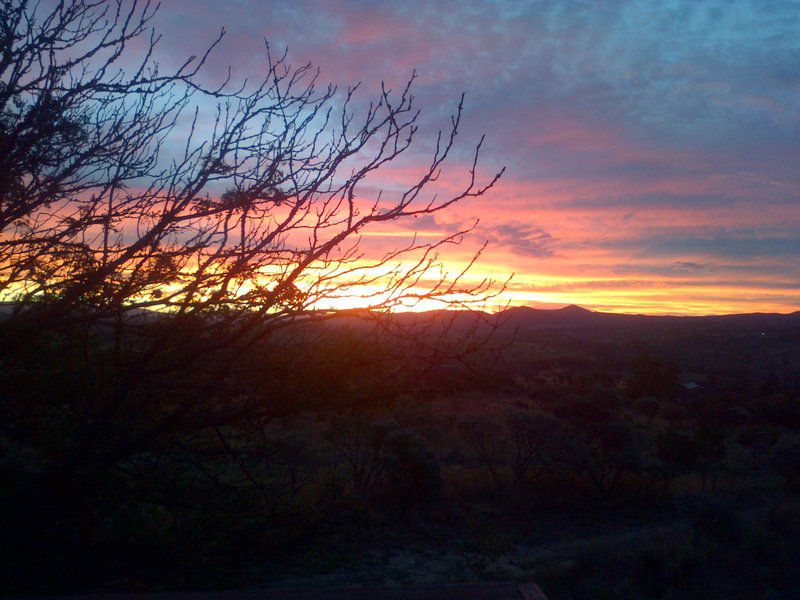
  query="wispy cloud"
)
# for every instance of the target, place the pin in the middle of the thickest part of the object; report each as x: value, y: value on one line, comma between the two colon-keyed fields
x: 655, y: 138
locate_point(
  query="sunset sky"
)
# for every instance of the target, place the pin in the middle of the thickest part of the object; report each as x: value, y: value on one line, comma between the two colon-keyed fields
x: 652, y: 148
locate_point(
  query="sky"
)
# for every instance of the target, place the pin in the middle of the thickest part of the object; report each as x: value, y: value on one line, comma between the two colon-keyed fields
x: 652, y: 149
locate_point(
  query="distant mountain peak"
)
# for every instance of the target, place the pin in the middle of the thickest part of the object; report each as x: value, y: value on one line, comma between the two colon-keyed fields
x: 574, y: 308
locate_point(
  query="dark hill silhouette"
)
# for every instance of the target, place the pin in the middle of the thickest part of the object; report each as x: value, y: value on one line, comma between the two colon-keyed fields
x: 569, y: 317
x: 573, y: 316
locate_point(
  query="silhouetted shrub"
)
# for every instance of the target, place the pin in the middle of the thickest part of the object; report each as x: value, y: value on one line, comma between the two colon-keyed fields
x: 648, y: 406
x: 360, y: 442
x: 651, y: 376
x: 414, y: 477
x: 676, y: 452
x: 583, y: 410
x: 484, y: 437
x: 715, y: 516
x: 536, y: 440
x: 785, y: 460
x: 784, y: 519
x: 602, y: 451
x: 710, y: 444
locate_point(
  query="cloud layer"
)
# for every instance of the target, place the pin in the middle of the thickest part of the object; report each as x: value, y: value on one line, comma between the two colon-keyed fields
x: 653, y: 149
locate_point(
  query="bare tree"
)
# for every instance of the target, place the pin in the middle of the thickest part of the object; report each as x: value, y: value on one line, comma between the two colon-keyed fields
x: 159, y: 244
x: 256, y: 221
x: 77, y: 130
x: 257, y: 217
x: 536, y: 440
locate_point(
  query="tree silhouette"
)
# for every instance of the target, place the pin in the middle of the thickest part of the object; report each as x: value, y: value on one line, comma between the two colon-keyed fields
x: 254, y: 222
x: 257, y: 216
x: 157, y: 232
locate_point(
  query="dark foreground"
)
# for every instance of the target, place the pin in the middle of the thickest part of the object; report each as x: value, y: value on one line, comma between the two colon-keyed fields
x: 473, y: 591
x: 598, y: 457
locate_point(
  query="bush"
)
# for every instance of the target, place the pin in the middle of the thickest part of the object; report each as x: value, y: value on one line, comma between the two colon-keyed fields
x: 784, y: 519
x: 715, y: 517
x: 786, y: 460
x: 414, y: 476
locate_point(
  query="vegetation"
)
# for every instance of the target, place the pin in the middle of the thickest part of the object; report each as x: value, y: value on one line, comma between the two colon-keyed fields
x: 529, y: 468
x: 178, y: 412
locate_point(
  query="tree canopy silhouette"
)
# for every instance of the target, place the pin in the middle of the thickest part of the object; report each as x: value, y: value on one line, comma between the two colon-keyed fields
x: 158, y: 232
x: 155, y: 221
x: 256, y: 215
